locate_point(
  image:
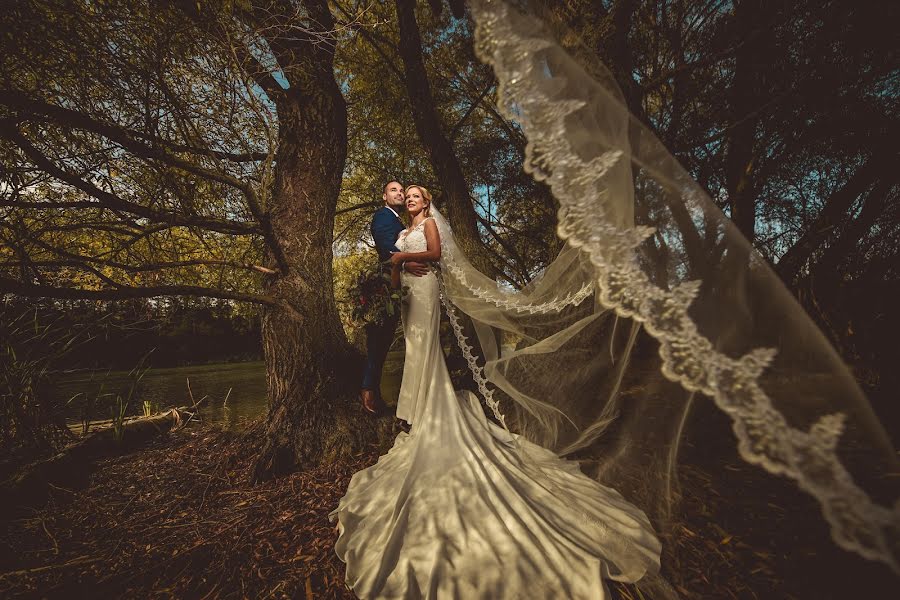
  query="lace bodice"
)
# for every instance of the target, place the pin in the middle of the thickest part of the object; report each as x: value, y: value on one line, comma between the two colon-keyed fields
x: 413, y: 240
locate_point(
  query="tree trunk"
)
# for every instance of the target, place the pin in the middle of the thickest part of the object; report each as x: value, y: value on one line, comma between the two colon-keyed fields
x: 832, y: 264
x: 428, y: 125
x: 616, y: 50
x: 832, y: 215
x: 747, y: 92
x: 455, y: 197
x: 312, y: 372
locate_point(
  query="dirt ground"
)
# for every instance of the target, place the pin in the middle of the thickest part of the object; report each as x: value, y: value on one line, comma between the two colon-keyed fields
x: 178, y: 519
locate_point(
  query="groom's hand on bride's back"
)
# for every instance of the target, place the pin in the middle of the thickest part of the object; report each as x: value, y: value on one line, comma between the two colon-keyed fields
x: 416, y: 268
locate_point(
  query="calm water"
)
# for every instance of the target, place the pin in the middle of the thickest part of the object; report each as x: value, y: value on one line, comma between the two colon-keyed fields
x: 168, y: 388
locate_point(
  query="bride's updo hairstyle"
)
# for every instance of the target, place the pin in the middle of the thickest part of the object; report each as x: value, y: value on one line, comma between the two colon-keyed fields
x: 425, y: 194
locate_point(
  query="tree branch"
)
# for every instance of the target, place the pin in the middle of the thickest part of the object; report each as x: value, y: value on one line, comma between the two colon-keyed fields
x: 115, y: 133
x: 828, y: 266
x: 792, y: 261
x: 257, y: 71
x: 373, y: 40
x: 347, y: 209
x: 72, y: 118
x: 108, y: 199
x: 516, y: 260
x: 440, y: 152
x: 248, y: 63
x: 455, y: 130
x: 239, y: 157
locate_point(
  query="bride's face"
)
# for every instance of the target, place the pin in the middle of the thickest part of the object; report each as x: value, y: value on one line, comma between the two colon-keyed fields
x: 415, y: 203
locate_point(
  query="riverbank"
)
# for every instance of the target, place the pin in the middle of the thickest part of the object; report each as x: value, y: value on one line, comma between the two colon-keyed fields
x: 91, y: 395
x: 236, y: 392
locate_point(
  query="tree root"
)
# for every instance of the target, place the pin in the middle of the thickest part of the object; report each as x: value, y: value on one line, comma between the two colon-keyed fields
x: 303, y: 444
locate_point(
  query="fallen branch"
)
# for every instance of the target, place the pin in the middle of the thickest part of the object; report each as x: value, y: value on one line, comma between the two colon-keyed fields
x: 81, y: 560
x: 71, y: 465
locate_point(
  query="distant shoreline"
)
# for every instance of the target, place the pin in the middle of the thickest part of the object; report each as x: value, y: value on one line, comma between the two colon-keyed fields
x: 152, y: 369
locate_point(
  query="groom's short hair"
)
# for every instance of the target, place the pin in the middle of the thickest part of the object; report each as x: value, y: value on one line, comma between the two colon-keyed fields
x: 389, y: 182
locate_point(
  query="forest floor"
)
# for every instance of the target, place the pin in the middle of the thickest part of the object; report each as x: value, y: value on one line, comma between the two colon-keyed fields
x: 179, y: 519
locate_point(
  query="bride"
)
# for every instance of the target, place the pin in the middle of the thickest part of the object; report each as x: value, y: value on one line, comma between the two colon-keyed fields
x: 658, y: 349
x: 456, y: 508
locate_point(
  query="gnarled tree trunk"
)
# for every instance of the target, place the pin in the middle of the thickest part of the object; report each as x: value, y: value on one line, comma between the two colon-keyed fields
x: 311, y: 370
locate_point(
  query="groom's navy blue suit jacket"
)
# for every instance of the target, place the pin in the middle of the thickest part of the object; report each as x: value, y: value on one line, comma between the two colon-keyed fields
x: 386, y: 226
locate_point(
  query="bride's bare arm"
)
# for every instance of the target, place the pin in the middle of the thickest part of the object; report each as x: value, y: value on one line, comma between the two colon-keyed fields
x: 433, y: 244
x: 395, y: 275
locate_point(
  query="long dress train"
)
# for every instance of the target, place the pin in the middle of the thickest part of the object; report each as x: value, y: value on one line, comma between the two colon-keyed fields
x: 451, y: 511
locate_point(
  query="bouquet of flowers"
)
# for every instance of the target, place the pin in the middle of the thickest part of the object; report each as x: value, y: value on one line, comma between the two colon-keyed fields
x: 374, y: 300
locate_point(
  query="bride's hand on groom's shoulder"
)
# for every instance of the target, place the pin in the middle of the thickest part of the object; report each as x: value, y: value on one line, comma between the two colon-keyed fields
x: 416, y: 268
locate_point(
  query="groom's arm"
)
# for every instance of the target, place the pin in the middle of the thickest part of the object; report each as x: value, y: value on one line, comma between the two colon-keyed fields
x: 385, y: 236
x: 416, y: 268
x: 433, y: 247
x: 417, y: 263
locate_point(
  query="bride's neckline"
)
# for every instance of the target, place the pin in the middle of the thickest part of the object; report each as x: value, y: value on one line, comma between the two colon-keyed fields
x: 412, y: 228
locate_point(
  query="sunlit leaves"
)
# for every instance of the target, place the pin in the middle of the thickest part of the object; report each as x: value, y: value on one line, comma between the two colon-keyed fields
x: 148, y: 71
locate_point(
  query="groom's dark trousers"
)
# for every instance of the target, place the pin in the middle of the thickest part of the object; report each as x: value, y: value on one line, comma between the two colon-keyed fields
x: 386, y: 226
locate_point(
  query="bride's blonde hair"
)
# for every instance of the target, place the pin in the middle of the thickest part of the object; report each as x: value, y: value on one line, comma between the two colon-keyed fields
x: 425, y: 194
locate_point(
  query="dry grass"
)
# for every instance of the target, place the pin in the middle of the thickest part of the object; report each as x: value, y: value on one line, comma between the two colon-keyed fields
x: 179, y: 519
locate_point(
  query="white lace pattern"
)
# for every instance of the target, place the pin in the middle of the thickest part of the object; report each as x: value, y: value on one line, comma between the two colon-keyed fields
x: 765, y: 438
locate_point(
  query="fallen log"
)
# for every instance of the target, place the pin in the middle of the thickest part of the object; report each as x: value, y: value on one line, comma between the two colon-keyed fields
x: 71, y: 466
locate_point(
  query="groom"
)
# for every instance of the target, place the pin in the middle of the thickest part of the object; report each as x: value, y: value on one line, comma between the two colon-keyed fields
x: 386, y: 226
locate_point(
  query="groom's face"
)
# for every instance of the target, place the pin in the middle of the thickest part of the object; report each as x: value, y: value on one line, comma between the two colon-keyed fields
x: 393, y: 195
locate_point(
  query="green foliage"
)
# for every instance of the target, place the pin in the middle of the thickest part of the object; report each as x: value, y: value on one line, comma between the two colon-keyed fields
x: 140, y: 69
x: 30, y: 422
x: 818, y: 99
x: 374, y: 300
x: 149, y: 407
x: 363, y: 292
x: 517, y: 214
x: 118, y: 413
x: 120, y: 409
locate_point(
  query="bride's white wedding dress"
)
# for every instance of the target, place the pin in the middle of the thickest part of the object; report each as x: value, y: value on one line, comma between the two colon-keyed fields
x: 451, y: 511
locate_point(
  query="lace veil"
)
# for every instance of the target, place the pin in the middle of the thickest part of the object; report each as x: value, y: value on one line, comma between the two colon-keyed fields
x: 659, y: 345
